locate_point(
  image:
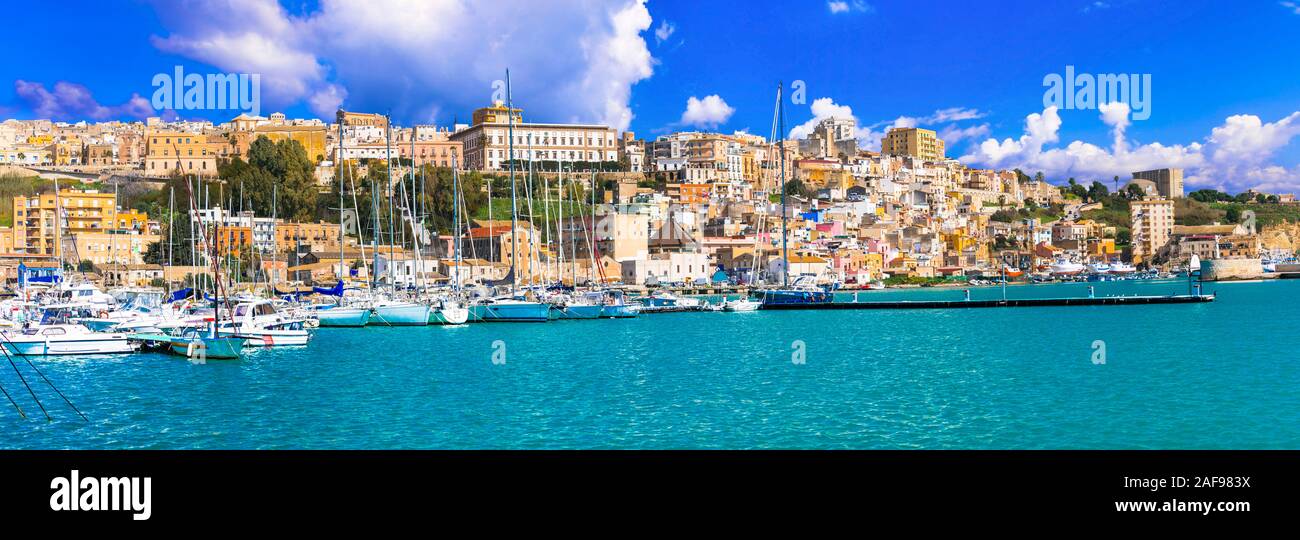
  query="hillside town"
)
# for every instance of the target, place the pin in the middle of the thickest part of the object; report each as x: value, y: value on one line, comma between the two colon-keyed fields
x: 684, y: 208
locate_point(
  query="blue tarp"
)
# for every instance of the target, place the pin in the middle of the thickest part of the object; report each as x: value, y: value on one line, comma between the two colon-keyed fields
x: 336, y: 290
x: 181, y: 294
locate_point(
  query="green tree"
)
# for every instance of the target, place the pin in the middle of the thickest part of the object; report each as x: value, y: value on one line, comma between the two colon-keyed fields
x: 1097, y: 192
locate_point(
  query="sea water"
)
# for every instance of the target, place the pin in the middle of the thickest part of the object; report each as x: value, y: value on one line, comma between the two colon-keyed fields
x: 1217, y: 375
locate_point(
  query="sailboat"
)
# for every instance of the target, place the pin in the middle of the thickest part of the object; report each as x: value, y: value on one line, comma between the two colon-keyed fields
x: 341, y: 315
x: 450, y: 309
x: 515, y: 307
x: 392, y: 311
x: 803, y: 291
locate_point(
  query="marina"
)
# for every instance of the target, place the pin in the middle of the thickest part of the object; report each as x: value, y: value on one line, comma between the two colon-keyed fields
x: 1016, y: 378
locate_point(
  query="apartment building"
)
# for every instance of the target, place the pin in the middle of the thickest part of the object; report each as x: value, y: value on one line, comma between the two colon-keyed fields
x: 917, y: 142
x: 184, y: 152
x: 487, y: 141
x: 36, y: 231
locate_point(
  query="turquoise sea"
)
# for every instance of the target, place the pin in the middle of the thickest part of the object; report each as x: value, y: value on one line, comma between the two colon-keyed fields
x: 1218, y: 375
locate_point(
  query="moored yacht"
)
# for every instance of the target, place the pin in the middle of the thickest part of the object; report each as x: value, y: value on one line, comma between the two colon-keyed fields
x: 399, y: 313
x: 509, y: 309
x: 63, y: 339
x: 261, y: 324
x: 1066, y: 267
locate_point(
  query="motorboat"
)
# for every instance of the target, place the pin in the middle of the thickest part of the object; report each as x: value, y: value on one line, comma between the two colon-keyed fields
x: 1122, y: 268
x: 1065, y: 267
x: 1099, y: 268
x: 81, y: 293
x: 663, y: 298
x: 260, y: 323
x: 740, y: 305
x: 64, y: 339
x: 616, y: 306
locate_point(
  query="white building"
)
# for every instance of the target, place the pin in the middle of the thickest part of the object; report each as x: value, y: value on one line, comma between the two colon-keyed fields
x: 665, y: 268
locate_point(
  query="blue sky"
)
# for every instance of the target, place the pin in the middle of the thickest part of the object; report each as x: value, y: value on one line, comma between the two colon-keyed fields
x: 1213, y: 66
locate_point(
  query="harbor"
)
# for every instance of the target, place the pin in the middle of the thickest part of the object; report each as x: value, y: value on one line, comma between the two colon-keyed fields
x: 1014, y: 378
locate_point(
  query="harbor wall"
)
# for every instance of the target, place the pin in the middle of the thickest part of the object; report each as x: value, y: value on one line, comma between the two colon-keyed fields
x: 1228, y: 269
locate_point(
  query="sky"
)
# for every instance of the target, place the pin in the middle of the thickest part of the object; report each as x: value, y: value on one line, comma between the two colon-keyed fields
x: 1223, y: 99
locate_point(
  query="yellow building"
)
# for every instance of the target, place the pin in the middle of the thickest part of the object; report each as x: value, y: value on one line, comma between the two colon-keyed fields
x: 189, y: 153
x: 365, y: 119
x: 112, y: 248
x: 922, y: 143
x: 312, y: 139
x: 320, y: 237
x: 36, y: 232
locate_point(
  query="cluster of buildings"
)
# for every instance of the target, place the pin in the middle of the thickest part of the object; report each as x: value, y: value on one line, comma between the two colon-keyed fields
x: 684, y: 207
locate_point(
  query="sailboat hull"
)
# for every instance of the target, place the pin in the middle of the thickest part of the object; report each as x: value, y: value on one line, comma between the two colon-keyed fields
x: 618, y: 312
x: 576, y: 312
x: 400, y: 315
x: 343, y: 317
x: 449, y: 316
x: 209, y: 348
x: 775, y: 297
x: 512, y: 312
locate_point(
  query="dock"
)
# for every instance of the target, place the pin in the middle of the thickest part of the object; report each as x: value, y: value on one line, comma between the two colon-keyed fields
x: 1024, y: 302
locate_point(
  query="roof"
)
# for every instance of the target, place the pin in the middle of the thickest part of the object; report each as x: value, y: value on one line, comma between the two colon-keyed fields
x: 1183, y: 230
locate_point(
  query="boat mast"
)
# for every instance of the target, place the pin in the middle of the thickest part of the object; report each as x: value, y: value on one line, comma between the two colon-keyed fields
x: 514, y: 205
x: 171, y: 216
x: 374, y: 210
x: 528, y: 192
x: 780, y: 131
x: 392, y: 231
x: 591, y: 239
x: 339, y: 168
x: 455, y: 213
x: 275, y: 203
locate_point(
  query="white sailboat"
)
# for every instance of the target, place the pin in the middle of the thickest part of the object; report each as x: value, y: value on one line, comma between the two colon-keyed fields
x: 516, y: 307
x: 391, y: 311
x: 342, y: 315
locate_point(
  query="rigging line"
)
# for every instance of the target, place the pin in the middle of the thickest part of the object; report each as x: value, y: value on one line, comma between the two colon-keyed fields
x: 24, y: 380
x: 11, y: 398
x: 55, y: 388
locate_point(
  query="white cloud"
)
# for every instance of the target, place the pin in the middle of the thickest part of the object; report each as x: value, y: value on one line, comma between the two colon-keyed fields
x: 1098, y: 5
x: 709, y: 112
x: 71, y: 101
x: 951, y: 114
x: 953, y: 133
x: 846, y: 6
x: 664, y: 31
x: 1294, y: 7
x: 1234, y: 157
x: 571, y: 60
